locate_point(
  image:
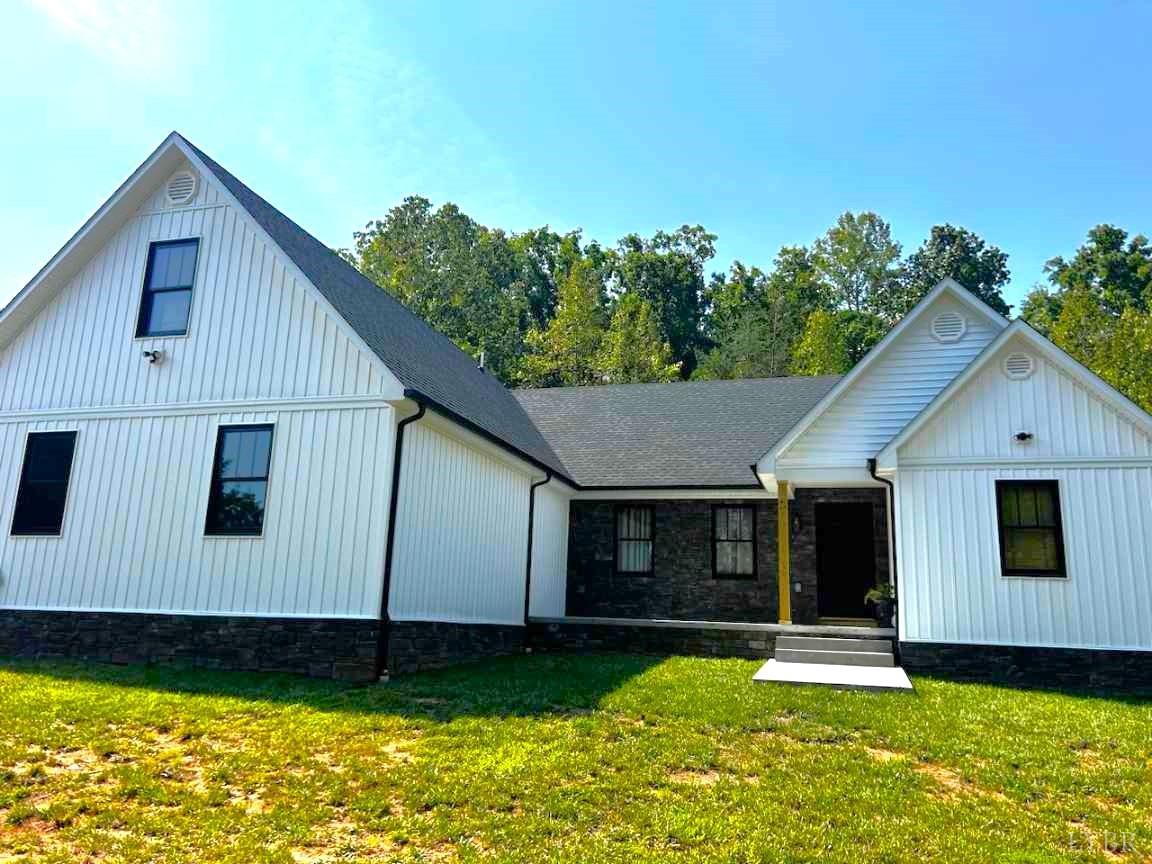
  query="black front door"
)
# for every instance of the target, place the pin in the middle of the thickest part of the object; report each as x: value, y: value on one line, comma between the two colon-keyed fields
x: 845, y: 560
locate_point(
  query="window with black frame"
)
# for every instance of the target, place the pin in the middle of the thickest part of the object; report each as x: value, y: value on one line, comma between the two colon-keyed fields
x: 634, y: 539
x: 734, y: 541
x: 43, y: 492
x: 239, y: 481
x: 1031, y: 533
x: 168, y: 280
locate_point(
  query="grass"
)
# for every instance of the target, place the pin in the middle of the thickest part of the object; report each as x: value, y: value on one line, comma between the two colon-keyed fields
x: 576, y: 759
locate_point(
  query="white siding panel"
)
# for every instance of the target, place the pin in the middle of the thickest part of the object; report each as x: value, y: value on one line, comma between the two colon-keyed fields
x: 951, y: 589
x: 1068, y: 421
x: 549, y: 554
x: 255, y: 332
x: 882, y: 402
x: 133, y: 537
x: 461, y: 534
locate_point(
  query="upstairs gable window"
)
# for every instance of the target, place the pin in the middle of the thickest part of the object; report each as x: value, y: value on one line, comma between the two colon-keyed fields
x: 168, y: 279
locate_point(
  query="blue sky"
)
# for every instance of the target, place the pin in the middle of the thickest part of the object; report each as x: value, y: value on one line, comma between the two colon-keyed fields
x: 1027, y: 123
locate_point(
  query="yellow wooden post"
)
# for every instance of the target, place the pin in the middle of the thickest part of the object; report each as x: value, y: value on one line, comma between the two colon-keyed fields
x: 783, y: 552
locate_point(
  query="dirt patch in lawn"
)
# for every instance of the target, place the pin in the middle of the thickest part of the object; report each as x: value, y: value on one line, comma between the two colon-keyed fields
x: 695, y: 778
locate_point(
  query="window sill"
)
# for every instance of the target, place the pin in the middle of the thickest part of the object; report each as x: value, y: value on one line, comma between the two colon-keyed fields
x: 1057, y: 577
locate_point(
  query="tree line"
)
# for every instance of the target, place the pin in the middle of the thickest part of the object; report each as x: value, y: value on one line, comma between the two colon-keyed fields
x: 549, y: 309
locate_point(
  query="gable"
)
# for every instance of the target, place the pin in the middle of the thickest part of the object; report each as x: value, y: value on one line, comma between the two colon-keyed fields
x: 1068, y: 419
x: 892, y: 385
x: 256, y: 330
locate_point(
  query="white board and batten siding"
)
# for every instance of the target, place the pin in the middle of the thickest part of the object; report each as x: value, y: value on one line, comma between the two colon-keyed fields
x: 550, y: 552
x: 133, y: 534
x: 461, y: 540
x: 262, y: 346
x: 902, y: 381
x: 255, y: 332
x: 952, y: 588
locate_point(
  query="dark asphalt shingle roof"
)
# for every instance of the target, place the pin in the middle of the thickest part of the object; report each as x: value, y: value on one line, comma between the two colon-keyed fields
x: 423, y: 359
x: 695, y: 433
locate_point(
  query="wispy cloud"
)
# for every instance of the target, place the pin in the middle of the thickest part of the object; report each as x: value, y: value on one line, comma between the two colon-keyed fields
x: 135, y: 35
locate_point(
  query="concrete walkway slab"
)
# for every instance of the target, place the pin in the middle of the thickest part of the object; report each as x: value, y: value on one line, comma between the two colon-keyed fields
x: 835, y: 675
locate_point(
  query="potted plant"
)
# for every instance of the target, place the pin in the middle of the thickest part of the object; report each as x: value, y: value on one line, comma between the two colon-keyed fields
x: 883, y: 597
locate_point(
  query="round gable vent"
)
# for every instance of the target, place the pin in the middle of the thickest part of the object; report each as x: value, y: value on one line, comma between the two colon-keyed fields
x: 948, y: 326
x: 1019, y: 366
x: 181, y: 187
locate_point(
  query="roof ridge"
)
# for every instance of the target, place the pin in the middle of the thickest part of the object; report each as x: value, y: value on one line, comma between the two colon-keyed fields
x: 693, y: 382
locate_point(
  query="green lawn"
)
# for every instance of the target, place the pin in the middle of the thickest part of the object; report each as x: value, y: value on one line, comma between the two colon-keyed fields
x: 579, y: 759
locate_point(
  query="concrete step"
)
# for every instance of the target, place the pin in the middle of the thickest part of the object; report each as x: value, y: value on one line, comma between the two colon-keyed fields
x: 833, y: 643
x: 836, y: 658
x: 832, y: 675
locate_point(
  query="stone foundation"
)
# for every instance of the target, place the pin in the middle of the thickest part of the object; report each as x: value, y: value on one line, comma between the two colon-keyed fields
x: 319, y: 647
x: 1043, y: 667
x: 415, y: 646
x: 579, y: 636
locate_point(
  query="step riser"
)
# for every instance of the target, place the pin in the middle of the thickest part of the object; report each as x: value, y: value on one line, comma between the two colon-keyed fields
x: 831, y: 643
x: 839, y: 658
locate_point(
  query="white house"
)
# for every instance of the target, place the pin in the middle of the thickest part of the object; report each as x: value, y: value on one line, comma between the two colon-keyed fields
x: 221, y: 444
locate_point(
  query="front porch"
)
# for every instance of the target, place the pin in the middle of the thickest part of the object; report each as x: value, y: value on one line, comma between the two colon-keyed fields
x: 808, y: 557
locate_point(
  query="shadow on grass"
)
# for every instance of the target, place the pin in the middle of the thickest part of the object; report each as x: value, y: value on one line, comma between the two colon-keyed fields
x: 506, y: 686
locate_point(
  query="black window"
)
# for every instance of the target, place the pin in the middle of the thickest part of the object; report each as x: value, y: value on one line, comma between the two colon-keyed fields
x: 168, y: 288
x: 44, y: 483
x: 239, y: 480
x: 634, y: 539
x: 734, y: 541
x: 1031, y: 536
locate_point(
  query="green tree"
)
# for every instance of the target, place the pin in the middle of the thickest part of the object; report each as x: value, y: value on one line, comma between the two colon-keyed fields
x: 632, y: 350
x: 1098, y: 308
x: 822, y: 348
x: 755, y: 318
x: 955, y: 252
x: 1111, y: 266
x: 566, y: 352
x: 668, y: 271
x: 459, y: 276
x: 859, y: 261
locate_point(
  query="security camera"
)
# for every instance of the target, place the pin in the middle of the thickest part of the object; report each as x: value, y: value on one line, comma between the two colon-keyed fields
x: 154, y: 357
x: 1024, y: 437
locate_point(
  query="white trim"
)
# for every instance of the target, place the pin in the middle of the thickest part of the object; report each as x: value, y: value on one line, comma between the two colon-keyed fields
x: 182, y: 409
x: 766, y: 463
x: 887, y: 459
x: 672, y: 494
x: 1034, y: 462
x: 393, y: 383
x: 197, y: 613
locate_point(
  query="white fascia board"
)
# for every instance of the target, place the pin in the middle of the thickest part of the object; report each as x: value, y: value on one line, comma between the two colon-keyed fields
x: 93, y: 234
x: 681, y: 494
x: 393, y: 389
x: 847, y: 476
x: 767, y: 462
x: 888, y: 459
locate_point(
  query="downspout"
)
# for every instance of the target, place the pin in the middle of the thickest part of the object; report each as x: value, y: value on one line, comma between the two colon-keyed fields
x: 891, y: 544
x: 531, y: 526
x: 393, y: 501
